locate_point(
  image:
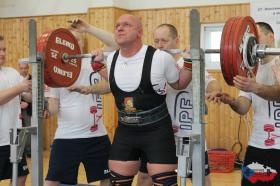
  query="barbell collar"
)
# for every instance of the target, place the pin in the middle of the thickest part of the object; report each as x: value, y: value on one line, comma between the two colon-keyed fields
x: 249, y: 56
x: 260, y: 50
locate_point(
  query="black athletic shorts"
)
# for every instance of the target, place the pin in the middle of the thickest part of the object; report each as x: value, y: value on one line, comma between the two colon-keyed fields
x: 261, y: 167
x: 155, y: 141
x: 143, y: 165
x: 67, y: 154
x: 6, y: 167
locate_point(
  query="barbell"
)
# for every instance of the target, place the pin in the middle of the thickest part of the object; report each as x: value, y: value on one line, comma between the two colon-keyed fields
x: 239, y: 51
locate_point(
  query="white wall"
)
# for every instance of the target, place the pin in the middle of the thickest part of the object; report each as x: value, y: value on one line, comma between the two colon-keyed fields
x: 18, y: 8
x: 268, y: 11
x: 179, y: 3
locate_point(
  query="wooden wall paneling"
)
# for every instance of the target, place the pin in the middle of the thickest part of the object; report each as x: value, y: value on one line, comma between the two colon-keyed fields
x: 103, y: 18
x: 204, y: 14
x: 183, y: 27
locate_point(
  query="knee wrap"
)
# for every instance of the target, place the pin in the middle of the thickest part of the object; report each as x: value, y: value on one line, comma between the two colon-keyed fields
x: 119, y: 180
x: 165, y: 179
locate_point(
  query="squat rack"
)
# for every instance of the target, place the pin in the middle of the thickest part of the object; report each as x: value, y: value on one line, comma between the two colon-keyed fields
x: 191, y: 148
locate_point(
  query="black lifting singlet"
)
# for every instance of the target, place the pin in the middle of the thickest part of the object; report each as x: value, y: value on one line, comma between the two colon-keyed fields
x: 144, y: 97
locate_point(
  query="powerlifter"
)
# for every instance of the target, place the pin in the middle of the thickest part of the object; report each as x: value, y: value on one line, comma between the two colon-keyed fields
x: 138, y: 75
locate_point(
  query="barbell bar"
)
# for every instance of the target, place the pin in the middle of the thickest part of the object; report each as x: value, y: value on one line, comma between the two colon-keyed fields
x: 65, y: 57
x: 179, y: 51
x: 239, y: 51
x: 259, y: 50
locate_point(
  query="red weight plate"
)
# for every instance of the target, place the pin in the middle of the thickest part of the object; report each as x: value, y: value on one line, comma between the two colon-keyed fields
x: 228, y: 49
x: 51, y: 46
x: 226, y: 58
x: 234, y: 66
x: 223, y: 50
x: 246, y: 24
x: 222, y: 63
x: 225, y: 71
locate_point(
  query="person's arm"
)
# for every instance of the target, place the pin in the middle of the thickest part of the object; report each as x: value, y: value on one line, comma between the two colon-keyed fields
x: 276, y: 70
x: 176, y: 76
x: 9, y: 93
x: 241, y: 105
x: 106, y: 37
x: 53, y: 106
x: 100, y: 88
x: 185, y: 77
x: 268, y: 92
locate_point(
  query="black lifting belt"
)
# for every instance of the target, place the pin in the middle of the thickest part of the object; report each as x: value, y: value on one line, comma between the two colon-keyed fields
x: 143, y: 118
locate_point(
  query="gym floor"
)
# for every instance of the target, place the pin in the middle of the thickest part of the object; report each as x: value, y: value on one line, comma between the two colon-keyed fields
x: 218, y: 179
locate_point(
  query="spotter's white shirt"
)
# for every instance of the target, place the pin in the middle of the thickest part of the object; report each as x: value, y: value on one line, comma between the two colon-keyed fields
x: 75, y: 119
x: 180, y: 105
x: 266, y: 113
x: 9, y: 112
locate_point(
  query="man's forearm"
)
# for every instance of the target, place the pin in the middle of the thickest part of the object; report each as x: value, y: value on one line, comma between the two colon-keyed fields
x: 53, y: 106
x: 9, y: 94
x: 104, y: 36
x: 240, y: 105
x: 185, y: 77
x: 100, y: 88
x: 268, y: 92
x: 234, y: 104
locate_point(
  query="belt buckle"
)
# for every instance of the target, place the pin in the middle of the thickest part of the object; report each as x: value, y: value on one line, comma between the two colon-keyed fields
x: 131, y: 119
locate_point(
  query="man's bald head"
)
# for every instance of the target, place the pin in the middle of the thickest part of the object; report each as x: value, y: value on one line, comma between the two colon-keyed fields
x: 166, y: 37
x: 128, y: 31
x: 133, y: 18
